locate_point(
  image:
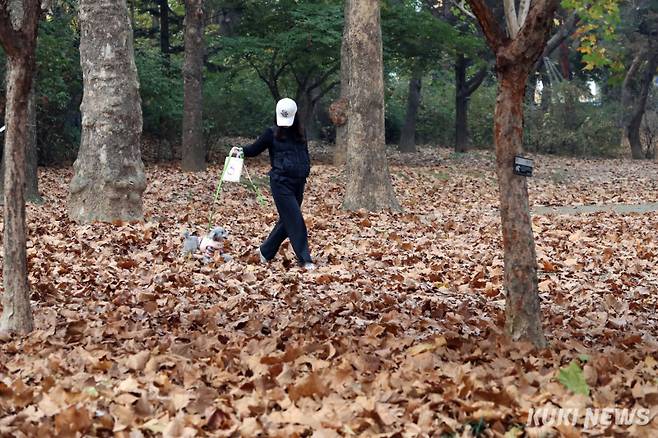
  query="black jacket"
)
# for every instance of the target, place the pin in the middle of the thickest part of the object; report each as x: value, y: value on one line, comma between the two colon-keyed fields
x: 288, y: 157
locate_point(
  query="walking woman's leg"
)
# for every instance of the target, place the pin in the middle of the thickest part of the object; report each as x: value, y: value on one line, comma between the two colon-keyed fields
x: 270, y: 247
x: 287, y: 202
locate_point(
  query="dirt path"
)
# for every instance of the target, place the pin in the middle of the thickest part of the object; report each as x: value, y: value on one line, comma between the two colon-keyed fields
x: 608, y: 208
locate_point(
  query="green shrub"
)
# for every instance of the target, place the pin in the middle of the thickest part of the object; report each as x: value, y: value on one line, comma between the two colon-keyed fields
x: 236, y: 104
x: 395, y: 96
x: 481, y: 116
x: 573, y: 125
x: 161, y: 90
x: 58, y: 88
x: 436, y: 115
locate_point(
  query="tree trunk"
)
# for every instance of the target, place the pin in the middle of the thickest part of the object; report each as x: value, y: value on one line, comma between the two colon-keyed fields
x: 313, y: 127
x: 340, y: 154
x: 408, y: 134
x: 515, y: 58
x: 31, y: 158
x: 164, y: 29
x: 18, y: 36
x: 522, y: 305
x: 194, y: 150
x: 306, y: 111
x: 17, y: 314
x: 109, y: 178
x: 638, y: 107
x: 464, y: 88
x: 564, y: 61
x: 461, y: 105
x: 368, y: 181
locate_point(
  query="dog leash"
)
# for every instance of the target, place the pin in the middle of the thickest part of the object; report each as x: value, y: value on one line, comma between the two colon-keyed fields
x: 259, y: 195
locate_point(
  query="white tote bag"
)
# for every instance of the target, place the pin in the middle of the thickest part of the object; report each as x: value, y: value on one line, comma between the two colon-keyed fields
x: 233, y: 167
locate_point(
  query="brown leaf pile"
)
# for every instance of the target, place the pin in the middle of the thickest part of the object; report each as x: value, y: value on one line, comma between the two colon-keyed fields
x: 398, y: 333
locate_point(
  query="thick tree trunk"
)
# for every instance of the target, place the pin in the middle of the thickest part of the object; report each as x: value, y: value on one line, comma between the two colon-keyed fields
x: 368, y: 181
x: 109, y: 174
x: 408, y: 134
x: 522, y: 305
x: 17, y: 314
x: 461, y: 105
x: 340, y: 154
x: 194, y: 149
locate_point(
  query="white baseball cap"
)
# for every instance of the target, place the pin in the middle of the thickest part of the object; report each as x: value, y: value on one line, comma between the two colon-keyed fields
x: 285, y: 112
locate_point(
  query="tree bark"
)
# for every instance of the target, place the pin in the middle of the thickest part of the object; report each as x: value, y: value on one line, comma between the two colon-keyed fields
x: 515, y: 58
x: 109, y: 179
x: 461, y: 105
x: 306, y: 110
x: 340, y: 154
x: 17, y: 314
x: 194, y: 149
x: 635, y: 101
x: 368, y: 183
x: 522, y: 307
x: 18, y: 35
x: 408, y: 134
x: 31, y: 158
x: 463, y: 90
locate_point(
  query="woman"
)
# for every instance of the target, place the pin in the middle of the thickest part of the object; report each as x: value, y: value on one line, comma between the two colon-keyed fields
x: 291, y: 166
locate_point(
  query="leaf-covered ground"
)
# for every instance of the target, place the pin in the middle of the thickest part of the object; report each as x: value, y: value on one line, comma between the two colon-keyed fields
x: 398, y: 333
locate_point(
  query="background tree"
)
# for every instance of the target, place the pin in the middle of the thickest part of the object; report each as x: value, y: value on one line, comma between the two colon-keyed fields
x: 471, y: 64
x: 414, y: 43
x: 194, y: 149
x: 639, y: 32
x: 516, y: 52
x: 293, y: 47
x: 338, y: 109
x: 368, y: 178
x: 109, y: 174
x: 18, y: 36
x: 465, y: 86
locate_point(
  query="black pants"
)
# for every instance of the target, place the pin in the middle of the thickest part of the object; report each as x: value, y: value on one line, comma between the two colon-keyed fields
x: 288, y: 195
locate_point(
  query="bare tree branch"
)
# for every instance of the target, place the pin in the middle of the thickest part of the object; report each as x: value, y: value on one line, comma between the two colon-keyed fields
x: 565, y: 31
x: 462, y: 7
x: 324, y: 91
x: 531, y: 39
x: 511, y: 18
x: 473, y: 83
x: 321, y: 80
x: 492, y: 31
x: 523, y: 13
